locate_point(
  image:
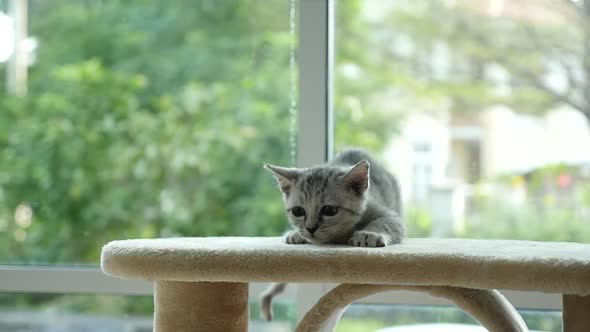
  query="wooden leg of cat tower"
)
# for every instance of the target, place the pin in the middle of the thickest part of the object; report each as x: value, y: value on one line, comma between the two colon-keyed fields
x: 200, y: 306
x: 489, y: 307
x: 576, y: 313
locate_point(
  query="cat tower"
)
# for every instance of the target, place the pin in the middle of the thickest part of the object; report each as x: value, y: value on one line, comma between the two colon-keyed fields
x: 201, y: 284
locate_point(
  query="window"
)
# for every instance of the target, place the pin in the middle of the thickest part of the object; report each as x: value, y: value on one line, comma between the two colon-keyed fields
x: 124, y: 119
x: 120, y: 120
x: 384, y: 318
x: 57, y: 312
x: 140, y: 120
x: 477, y: 106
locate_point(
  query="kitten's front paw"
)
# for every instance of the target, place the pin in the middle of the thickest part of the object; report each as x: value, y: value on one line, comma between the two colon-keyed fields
x: 368, y: 239
x: 293, y: 237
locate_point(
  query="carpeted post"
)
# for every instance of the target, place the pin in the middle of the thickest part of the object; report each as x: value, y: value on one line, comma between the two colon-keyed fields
x: 200, y: 306
x: 576, y: 313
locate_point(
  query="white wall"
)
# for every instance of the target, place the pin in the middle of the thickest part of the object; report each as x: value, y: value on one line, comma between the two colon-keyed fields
x: 516, y: 142
x: 401, y: 157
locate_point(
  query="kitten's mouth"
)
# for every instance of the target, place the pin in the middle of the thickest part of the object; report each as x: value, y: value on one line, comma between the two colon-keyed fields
x: 306, y: 235
x: 312, y: 238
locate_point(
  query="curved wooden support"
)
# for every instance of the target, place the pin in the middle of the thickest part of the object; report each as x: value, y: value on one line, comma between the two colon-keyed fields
x: 488, y: 307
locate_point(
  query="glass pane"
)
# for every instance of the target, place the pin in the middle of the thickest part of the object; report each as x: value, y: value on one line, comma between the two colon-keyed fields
x: 106, y: 313
x: 142, y: 119
x: 480, y: 108
x: 402, y: 318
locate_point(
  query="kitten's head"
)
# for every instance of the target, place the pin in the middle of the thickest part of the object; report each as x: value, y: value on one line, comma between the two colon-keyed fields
x: 324, y: 203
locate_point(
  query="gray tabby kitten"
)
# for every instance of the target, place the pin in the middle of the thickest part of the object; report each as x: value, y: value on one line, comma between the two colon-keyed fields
x: 351, y: 200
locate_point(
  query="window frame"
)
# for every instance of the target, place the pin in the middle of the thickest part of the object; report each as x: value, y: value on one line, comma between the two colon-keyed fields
x: 315, y: 124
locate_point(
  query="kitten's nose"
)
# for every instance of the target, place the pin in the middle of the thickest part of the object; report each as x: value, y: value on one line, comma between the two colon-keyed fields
x: 312, y: 229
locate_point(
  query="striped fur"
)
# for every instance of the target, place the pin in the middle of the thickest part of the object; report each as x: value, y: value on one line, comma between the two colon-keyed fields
x: 367, y: 197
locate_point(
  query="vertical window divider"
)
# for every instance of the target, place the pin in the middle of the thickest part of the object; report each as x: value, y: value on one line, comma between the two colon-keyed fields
x: 315, y: 116
x: 316, y: 39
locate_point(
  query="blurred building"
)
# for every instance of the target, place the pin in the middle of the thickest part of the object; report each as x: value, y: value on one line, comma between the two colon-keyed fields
x: 440, y: 155
x: 444, y: 150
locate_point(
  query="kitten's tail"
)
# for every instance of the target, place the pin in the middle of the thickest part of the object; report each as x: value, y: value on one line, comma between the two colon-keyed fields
x: 266, y: 299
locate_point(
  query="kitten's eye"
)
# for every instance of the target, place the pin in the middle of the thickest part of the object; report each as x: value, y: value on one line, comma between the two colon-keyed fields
x: 329, y: 210
x: 298, y: 211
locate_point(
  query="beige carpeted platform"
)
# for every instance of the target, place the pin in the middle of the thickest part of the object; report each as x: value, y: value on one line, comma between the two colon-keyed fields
x: 474, y: 264
x: 521, y: 265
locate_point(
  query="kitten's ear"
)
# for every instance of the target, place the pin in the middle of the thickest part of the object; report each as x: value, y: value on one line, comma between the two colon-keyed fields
x: 357, y: 177
x: 285, y: 176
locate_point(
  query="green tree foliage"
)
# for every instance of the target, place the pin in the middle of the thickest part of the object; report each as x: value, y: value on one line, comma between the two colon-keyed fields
x: 143, y: 120
x: 361, y: 83
x: 462, y: 53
